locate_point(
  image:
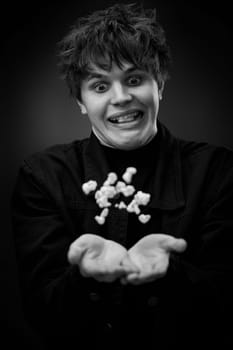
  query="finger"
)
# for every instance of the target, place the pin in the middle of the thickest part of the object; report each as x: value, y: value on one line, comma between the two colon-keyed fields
x: 105, y: 278
x: 117, y: 270
x: 129, y: 278
x: 138, y: 279
x: 149, y: 273
x: 128, y: 265
x: 146, y: 271
x: 109, y: 276
x: 102, y: 272
x: 141, y: 279
x: 90, y: 268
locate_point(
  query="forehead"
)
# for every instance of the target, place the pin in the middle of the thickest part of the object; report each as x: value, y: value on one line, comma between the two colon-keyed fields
x: 106, y: 69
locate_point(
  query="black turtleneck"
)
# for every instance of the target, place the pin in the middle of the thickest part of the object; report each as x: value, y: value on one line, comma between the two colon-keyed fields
x: 143, y: 159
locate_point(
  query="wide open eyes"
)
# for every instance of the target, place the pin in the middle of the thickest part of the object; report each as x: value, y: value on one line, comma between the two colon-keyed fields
x: 134, y: 80
x: 100, y: 87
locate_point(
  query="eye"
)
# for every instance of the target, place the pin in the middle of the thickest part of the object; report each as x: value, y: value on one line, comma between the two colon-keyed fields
x: 134, y: 80
x: 100, y: 87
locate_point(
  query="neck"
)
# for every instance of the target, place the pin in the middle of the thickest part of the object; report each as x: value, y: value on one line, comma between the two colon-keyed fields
x: 104, y: 143
x: 100, y: 138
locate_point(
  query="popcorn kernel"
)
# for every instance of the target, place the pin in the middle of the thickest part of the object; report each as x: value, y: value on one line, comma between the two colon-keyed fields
x: 144, y: 218
x: 89, y: 186
x: 100, y: 219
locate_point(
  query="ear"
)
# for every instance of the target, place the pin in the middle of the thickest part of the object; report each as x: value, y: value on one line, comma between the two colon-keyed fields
x: 161, y: 87
x: 82, y: 107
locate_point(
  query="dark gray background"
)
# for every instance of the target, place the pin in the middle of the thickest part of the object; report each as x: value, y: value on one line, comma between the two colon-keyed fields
x: 38, y: 112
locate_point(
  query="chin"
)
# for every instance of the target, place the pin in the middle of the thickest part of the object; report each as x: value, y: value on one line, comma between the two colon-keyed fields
x: 131, y: 141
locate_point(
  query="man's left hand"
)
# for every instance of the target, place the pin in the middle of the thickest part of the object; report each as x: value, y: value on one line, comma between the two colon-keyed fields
x: 151, y: 255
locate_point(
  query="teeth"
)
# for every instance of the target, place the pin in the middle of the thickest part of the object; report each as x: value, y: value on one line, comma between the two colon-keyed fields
x: 125, y: 118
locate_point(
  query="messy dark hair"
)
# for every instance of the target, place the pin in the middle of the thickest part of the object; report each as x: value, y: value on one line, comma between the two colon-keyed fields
x: 120, y: 33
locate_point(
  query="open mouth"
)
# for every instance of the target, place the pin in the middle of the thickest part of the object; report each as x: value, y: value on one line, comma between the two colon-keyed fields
x: 128, y: 117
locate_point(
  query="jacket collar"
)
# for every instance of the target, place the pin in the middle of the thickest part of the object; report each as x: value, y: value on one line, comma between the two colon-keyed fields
x: 166, y: 185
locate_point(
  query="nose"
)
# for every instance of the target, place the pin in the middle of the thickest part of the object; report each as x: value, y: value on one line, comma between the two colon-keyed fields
x: 120, y: 95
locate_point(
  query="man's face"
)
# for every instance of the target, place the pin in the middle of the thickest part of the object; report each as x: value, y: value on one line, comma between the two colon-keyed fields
x: 122, y: 105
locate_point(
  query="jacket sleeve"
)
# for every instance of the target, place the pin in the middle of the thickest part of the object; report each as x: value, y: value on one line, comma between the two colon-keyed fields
x: 55, y: 295
x: 201, y: 279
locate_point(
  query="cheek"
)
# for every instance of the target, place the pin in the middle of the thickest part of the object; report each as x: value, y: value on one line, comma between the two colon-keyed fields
x: 152, y: 99
x: 96, y: 111
x: 151, y: 102
x: 96, y: 105
x: 148, y: 96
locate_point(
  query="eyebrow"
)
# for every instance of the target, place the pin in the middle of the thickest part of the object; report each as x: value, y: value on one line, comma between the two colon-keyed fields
x: 95, y: 75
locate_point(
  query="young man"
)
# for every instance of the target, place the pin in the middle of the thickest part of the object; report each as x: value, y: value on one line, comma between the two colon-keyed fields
x: 124, y: 238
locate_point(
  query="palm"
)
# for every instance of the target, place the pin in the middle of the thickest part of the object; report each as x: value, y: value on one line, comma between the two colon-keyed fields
x: 151, y: 256
x: 98, y: 258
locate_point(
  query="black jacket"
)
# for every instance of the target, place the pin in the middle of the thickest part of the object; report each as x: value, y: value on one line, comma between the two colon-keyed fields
x: 192, y: 197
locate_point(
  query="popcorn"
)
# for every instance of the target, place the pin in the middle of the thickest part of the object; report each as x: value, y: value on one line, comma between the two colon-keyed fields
x: 121, y: 205
x: 120, y: 186
x: 103, y: 202
x: 108, y: 191
x: 142, y: 198
x: 126, y: 190
x: 144, y: 218
x: 133, y: 207
x: 111, y: 179
x: 89, y: 186
x: 104, y: 212
x: 104, y: 194
x: 112, y: 188
x: 100, y: 219
x: 127, y: 176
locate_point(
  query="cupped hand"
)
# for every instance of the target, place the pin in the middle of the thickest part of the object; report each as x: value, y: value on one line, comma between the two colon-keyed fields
x: 100, y: 258
x: 151, y: 255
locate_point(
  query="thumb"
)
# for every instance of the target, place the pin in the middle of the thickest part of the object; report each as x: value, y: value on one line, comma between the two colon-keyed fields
x: 74, y: 254
x: 175, y: 244
x: 180, y: 245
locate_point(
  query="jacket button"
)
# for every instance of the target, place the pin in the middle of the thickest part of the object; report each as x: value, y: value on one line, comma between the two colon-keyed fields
x: 152, y: 301
x: 94, y: 296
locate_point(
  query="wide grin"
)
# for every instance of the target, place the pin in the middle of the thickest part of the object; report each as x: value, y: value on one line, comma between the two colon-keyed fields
x: 126, y: 118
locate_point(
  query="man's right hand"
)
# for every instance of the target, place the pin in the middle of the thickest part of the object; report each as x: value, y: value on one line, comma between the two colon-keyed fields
x: 100, y: 258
